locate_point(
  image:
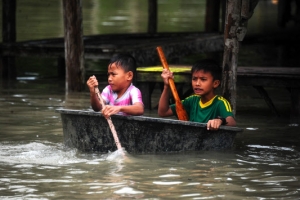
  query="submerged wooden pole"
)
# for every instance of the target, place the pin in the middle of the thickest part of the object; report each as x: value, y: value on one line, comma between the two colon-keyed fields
x: 212, y: 15
x: 152, y: 16
x: 74, y: 49
x: 7, y: 67
x: 238, y: 12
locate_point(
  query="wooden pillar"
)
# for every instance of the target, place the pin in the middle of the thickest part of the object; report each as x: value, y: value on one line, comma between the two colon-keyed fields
x: 61, y: 67
x: 231, y: 48
x: 74, y: 49
x: 152, y: 16
x: 295, y: 106
x: 212, y: 15
x: 7, y: 67
x: 223, y: 14
x: 238, y: 12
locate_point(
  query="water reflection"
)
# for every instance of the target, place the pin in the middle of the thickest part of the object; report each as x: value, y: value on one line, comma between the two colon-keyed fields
x: 104, y: 17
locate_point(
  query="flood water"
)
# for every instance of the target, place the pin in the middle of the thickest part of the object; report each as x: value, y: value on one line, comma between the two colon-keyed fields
x: 263, y: 163
x: 34, y: 163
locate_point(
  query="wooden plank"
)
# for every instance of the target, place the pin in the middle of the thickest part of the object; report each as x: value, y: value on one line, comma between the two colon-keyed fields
x: 142, y: 46
x: 269, y: 71
x: 265, y: 76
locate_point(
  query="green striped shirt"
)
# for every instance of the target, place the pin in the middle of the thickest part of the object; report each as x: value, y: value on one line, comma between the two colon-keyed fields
x: 198, y: 112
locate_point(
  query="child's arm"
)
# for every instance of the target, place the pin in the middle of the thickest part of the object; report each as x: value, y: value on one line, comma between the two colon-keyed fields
x: 135, y: 109
x: 163, y: 106
x: 214, y: 124
x: 92, y: 83
x: 230, y: 121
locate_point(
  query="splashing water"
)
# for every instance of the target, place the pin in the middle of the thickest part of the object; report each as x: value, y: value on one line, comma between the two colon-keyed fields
x: 49, y: 153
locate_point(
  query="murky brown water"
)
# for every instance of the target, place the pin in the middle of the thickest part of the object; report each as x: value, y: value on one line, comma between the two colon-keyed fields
x: 264, y: 162
x: 34, y: 163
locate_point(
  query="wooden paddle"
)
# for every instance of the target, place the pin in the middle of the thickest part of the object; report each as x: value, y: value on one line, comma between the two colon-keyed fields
x: 111, y: 125
x: 181, y: 113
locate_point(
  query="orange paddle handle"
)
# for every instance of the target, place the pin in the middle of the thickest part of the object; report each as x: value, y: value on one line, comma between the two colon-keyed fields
x: 111, y: 125
x: 181, y: 113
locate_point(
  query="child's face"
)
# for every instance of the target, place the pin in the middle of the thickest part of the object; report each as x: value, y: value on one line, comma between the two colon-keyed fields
x: 118, y: 79
x: 204, y: 84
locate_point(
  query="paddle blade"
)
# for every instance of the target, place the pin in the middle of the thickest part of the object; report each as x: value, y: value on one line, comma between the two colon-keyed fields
x: 181, y: 112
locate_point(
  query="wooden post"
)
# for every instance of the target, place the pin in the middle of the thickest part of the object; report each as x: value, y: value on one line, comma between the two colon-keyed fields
x: 61, y: 67
x: 74, y: 49
x: 231, y: 48
x: 212, y: 15
x: 295, y: 106
x: 238, y: 12
x: 223, y: 14
x: 152, y: 16
x: 7, y: 67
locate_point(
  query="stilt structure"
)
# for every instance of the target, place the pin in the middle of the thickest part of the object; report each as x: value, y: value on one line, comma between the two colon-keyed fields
x: 238, y: 12
x: 7, y: 65
x: 74, y: 49
x: 152, y: 16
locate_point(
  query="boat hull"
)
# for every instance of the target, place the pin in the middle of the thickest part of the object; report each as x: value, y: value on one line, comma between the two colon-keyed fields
x: 88, y: 131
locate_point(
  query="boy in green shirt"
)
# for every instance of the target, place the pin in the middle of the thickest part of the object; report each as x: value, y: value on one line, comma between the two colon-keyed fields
x: 203, y: 106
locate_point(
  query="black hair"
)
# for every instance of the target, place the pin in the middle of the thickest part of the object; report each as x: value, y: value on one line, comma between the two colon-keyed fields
x: 126, y: 61
x: 208, y: 65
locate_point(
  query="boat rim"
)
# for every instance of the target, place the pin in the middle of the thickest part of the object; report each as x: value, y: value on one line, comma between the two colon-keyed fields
x: 144, y: 118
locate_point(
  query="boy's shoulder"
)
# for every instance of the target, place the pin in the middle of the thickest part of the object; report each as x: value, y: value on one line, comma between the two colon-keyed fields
x: 221, y: 98
x: 133, y: 90
x: 193, y: 97
x: 132, y: 87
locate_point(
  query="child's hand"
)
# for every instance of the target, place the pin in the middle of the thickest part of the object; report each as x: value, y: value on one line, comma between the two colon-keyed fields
x: 92, y: 83
x: 213, y: 124
x: 166, y: 74
x: 107, y: 111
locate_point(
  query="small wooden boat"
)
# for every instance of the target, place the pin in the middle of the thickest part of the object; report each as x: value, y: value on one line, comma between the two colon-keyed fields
x: 88, y: 131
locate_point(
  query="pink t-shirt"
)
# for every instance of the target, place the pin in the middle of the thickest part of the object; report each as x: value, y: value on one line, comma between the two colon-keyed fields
x: 130, y: 97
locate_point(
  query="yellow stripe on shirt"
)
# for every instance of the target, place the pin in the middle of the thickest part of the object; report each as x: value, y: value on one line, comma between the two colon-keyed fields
x: 203, y: 105
x: 226, y: 103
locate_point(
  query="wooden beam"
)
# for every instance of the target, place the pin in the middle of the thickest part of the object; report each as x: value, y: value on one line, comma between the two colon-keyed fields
x: 238, y: 12
x: 212, y: 15
x: 8, y: 21
x: 295, y: 107
x: 231, y: 49
x: 7, y: 67
x: 74, y: 48
x: 152, y: 16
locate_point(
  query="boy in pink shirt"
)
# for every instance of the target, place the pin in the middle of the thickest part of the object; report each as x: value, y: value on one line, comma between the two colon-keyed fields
x: 120, y: 96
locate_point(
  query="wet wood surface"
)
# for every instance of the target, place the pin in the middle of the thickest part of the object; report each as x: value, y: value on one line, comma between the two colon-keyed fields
x: 73, y: 45
x: 141, y: 45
